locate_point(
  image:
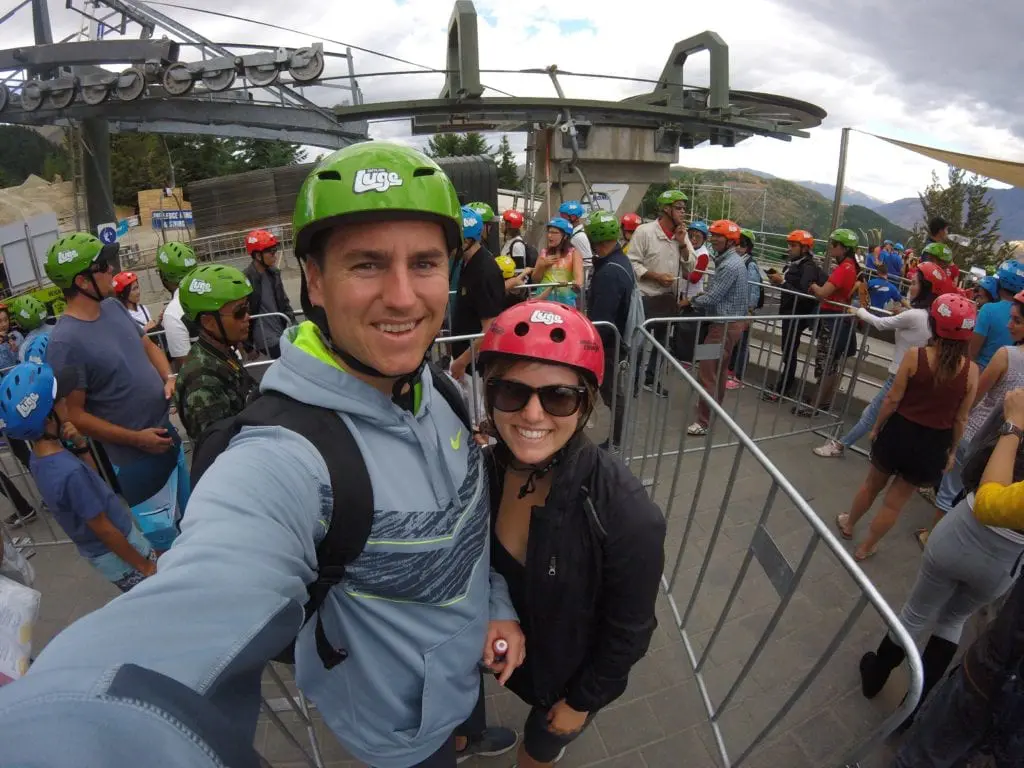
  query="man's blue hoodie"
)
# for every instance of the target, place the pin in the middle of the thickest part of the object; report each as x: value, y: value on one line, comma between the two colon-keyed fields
x: 169, y: 674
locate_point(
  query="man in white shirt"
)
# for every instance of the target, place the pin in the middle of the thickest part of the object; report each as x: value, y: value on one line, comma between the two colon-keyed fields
x: 173, y: 262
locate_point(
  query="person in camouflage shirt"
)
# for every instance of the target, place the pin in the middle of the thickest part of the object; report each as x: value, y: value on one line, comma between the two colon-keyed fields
x: 212, y: 383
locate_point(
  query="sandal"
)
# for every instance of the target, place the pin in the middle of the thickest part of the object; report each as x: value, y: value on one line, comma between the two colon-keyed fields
x: 696, y: 429
x: 921, y: 534
x: 842, y: 530
x: 867, y: 555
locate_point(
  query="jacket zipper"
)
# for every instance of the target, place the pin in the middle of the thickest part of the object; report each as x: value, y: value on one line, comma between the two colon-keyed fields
x: 552, y: 566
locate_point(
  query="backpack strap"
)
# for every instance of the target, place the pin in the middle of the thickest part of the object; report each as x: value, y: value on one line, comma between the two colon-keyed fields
x: 352, y: 516
x: 451, y: 393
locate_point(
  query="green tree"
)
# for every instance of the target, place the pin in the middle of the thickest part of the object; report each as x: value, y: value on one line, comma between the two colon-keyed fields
x: 508, y: 175
x: 257, y: 154
x: 474, y: 143
x: 965, y: 204
x: 458, y: 145
x: 24, y: 152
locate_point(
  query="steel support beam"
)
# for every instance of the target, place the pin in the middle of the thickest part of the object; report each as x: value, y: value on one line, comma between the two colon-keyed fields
x: 671, y: 79
x: 463, y: 78
x: 89, y: 52
x: 96, y: 172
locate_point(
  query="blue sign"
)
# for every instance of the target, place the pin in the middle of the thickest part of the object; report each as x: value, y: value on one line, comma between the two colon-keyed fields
x: 172, y: 219
x: 108, y: 234
x: 122, y: 227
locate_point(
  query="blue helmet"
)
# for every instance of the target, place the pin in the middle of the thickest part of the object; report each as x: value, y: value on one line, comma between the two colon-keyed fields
x: 990, y: 284
x: 887, y: 242
x: 562, y: 225
x: 699, y: 226
x: 899, y: 247
x: 35, y: 350
x: 1011, y: 276
x: 27, y: 394
x: 472, y: 224
x: 572, y: 208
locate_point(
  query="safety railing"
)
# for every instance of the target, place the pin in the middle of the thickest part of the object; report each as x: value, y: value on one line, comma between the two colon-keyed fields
x: 763, y: 596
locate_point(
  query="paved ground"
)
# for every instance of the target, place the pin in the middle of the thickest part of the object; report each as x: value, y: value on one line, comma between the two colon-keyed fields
x: 661, y: 722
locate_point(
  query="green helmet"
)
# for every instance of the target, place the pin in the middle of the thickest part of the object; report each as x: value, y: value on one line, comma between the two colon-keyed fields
x: 375, y: 180
x: 210, y: 287
x: 174, y: 261
x: 747, y: 233
x: 845, y: 237
x: 485, y: 211
x: 28, y: 312
x: 670, y: 197
x: 603, y: 227
x: 70, y: 256
x: 939, y: 252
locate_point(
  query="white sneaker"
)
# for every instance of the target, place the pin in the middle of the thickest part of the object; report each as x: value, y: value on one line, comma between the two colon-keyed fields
x: 830, y: 450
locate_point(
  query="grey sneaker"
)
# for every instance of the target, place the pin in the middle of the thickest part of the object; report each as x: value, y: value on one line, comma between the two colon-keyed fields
x: 494, y: 742
x: 17, y: 520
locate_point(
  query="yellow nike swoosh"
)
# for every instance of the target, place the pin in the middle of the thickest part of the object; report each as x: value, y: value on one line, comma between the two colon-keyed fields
x: 456, y: 441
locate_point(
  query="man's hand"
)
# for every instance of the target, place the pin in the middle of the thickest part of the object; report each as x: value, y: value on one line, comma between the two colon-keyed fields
x: 775, y: 278
x: 510, y: 632
x: 684, y: 302
x: 1013, y: 407
x: 564, y: 720
x: 153, y: 440
x: 458, y: 368
x: 665, y: 279
x: 169, y: 387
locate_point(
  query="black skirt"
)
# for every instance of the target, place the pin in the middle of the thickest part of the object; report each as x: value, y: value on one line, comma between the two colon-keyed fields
x: 916, y: 453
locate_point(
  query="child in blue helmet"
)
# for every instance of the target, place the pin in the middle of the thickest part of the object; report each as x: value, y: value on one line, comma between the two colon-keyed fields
x: 99, y: 524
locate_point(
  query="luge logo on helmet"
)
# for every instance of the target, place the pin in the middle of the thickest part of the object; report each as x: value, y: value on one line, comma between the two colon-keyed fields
x: 163, y: 257
x: 27, y: 405
x: 548, y: 318
x: 375, y: 180
x: 944, y: 310
x: 467, y: 222
x: 967, y: 324
x: 189, y: 261
x: 200, y: 287
x: 66, y: 257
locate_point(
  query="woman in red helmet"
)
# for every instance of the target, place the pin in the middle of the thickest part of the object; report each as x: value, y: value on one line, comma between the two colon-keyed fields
x: 574, y: 534
x: 629, y: 223
x: 268, y: 296
x: 921, y: 421
x: 129, y: 293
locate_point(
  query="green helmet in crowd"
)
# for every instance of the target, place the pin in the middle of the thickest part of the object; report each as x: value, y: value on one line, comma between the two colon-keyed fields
x: 72, y: 255
x: 174, y: 261
x: 670, y: 197
x: 603, y: 227
x: 209, y: 287
x: 485, y: 211
x: 845, y: 237
x: 939, y: 252
x: 372, y: 181
x: 747, y: 233
x: 28, y: 312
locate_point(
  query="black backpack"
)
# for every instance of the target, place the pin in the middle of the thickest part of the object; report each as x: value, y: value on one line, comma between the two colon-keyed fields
x: 531, y: 253
x: 352, y: 517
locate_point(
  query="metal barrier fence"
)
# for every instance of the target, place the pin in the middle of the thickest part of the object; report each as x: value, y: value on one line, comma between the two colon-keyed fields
x: 751, y: 634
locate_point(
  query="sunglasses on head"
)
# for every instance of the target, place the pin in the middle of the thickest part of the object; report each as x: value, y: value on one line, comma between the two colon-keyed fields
x: 239, y: 312
x: 556, y: 399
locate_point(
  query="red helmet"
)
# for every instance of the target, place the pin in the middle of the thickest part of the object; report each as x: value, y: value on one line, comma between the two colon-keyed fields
x: 954, y: 316
x: 513, y: 218
x: 936, y: 275
x: 123, y: 280
x: 630, y: 222
x: 801, y: 236
x: 730, y: 230
x: 548, y: 332
x: 260, y: 240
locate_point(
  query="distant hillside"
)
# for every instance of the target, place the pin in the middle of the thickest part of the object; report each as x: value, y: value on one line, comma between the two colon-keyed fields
x: 1009, y: 205
x: 850, y: 196
x: 789, y: 204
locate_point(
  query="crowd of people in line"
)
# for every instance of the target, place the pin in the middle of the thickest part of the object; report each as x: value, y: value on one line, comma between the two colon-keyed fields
x: 513, y: 546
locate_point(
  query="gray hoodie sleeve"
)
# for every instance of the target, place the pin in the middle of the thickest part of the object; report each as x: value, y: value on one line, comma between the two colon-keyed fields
x: 177, y: 660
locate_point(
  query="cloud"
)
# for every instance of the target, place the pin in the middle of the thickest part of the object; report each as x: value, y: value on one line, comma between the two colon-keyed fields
x: 927, y: 71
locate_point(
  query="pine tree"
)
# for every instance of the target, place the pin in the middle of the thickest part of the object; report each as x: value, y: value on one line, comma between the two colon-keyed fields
x: 458, y: 145
x: 965, y: 204
x: 508, y: 176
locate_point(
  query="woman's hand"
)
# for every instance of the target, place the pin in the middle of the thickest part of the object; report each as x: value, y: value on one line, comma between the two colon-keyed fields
x: 510, y: 632
x: 950, y: 460
x: 564, y: 720
x: 1013, y: 407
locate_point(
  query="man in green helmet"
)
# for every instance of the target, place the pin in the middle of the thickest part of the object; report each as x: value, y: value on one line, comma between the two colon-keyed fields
x: 487, y: 216
x: 124, y: 379
x: 212, y: 383
x: 173, y: 262
x: 658, y: 260
x: 417, y: 610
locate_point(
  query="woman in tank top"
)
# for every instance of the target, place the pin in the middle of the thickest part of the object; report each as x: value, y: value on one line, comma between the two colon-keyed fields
x: 922, y: 419
x: 560, y: 263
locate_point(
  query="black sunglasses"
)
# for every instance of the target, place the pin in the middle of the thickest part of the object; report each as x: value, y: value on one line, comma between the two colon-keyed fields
x: 556, y: 399
x: 100, y: 266
x: 239, y: 312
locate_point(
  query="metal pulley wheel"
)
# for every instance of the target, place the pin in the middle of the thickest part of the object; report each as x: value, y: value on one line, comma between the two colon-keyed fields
x: 4, y: 97
x: 60, y: 98
x: 94, y: 95
x: 262, y: 75
x: 177, y: 79
x: 306, y: 65
x: 131, y: 84
x: 31, y: 96
x: 219, y: 80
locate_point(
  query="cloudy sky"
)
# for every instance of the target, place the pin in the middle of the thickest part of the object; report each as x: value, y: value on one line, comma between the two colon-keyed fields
x: 940, y: 72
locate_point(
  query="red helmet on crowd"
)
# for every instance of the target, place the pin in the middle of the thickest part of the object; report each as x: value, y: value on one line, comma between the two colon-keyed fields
x: 630, y: 222
x: 801, y: 236
x: 548, y: 332
x: 730, y: 230
x: 513, y: 218
x: 954, y: 316
x: 124, y: 280
x: 936, y: 275
x: 260, y: 240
